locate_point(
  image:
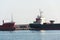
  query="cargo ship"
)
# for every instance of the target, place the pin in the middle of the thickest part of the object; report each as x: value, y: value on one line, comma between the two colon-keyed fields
x: 38, y: 25
x: 8, y: 26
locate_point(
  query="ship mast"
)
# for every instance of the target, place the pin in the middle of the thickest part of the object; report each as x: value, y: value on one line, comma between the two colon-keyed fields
x: 40, y: 13
x: 11, y: 17
x: 40, y: 16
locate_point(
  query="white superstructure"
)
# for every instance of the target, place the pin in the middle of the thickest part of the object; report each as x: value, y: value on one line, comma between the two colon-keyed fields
x: 40, y: 19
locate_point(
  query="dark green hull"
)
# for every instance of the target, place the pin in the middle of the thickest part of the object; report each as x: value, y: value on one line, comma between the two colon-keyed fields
x: 45, y: 26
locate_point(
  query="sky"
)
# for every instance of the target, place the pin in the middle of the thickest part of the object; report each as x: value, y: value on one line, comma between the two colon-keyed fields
x: 25, y: 11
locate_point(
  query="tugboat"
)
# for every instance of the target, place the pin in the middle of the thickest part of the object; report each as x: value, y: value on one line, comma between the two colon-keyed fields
x: 38, y: 25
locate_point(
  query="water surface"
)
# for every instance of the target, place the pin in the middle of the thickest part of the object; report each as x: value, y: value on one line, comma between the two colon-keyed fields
x: 30, y: 35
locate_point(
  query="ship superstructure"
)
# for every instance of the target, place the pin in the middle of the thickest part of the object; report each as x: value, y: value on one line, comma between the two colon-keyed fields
x: 39, y: 19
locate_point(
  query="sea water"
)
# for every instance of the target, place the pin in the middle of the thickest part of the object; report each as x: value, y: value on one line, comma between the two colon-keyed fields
x: 30, y: 35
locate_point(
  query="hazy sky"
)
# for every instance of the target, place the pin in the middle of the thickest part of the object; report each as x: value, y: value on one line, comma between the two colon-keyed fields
x: 25, y: 11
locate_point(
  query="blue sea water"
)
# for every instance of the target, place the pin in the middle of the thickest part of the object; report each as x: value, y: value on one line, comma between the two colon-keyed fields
x: 30, y: 35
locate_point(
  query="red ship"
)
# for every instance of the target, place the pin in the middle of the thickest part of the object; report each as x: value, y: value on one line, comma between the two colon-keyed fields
x: 8, y: 26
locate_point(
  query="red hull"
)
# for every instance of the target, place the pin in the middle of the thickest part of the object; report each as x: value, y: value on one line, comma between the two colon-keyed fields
x: 7, y: 27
